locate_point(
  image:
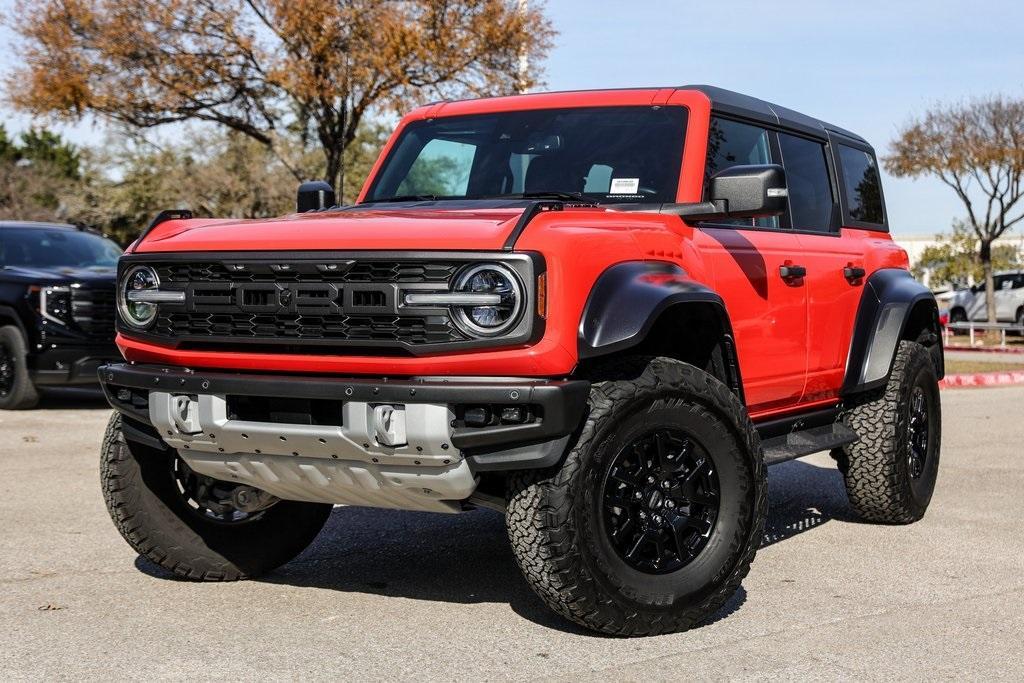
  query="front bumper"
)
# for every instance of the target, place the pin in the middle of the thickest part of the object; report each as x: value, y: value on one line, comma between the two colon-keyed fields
x: 70, y: 364
x: 335, y: 453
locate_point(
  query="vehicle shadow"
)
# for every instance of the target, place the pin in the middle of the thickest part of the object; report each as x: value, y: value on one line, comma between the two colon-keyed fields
x: 801, y: 497
x: 66, y: 398
x: 467, y: 559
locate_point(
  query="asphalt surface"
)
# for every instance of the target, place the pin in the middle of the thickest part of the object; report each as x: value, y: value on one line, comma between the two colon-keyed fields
x: 385, y: 595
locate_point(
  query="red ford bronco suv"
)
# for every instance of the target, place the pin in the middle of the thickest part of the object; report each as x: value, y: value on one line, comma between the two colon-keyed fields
x: 603, y: 313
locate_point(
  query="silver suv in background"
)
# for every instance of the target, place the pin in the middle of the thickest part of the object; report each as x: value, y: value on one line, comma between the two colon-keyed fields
x: 969, y: 304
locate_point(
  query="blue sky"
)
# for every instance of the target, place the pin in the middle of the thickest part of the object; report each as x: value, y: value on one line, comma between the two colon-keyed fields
x: 867, y: 66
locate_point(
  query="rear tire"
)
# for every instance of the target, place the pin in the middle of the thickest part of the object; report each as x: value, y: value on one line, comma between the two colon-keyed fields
x: 154, y: 517
x: 573, y: 527
x: 17, y: 392
x: 890, y: 472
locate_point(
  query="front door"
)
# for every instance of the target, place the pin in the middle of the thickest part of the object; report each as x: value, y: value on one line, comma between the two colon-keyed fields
x: 767, y: 308
x: 755, y: 268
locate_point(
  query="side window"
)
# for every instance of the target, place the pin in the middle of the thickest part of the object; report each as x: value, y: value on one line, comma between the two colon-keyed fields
x: 863, y: 185
x: 442, y: 169
x: 731, y: 143
x: 810, y: 191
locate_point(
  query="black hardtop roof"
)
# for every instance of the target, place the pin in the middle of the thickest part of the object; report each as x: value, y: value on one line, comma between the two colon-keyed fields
x: 729, y: 102
x: 737, y: 104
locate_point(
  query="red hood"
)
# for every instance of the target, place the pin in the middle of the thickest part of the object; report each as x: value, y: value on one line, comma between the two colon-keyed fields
x: 423, y: 229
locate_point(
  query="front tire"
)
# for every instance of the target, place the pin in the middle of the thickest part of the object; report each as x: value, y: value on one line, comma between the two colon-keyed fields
x: 143, y: 491
x: 17, y: 392
x: 652, y: 521
x: 890, y: 472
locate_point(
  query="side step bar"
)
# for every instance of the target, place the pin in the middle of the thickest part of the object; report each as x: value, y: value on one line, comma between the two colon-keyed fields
x: 798, y: 444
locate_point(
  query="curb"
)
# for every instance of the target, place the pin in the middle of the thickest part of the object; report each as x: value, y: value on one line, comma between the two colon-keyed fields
x: 983, y: 379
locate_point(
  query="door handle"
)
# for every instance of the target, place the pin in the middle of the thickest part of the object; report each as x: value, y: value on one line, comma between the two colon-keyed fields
x: 791, y: 272
x: 853, y: 273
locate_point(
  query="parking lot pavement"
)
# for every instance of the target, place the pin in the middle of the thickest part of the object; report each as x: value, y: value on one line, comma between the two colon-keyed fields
x: 408, y: 595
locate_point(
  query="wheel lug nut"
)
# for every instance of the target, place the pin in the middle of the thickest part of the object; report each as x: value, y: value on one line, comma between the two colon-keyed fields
x: 666, y: 484
x: 638, y: 495
x: 670, y: 504
x: 650, y: 480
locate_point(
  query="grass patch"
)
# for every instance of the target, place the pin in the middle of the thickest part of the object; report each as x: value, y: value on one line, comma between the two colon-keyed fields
x: 957, y: 367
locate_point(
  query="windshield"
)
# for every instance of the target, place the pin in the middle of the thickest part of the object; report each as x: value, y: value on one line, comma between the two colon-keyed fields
x: 600, y: 154
x: 52, y: 248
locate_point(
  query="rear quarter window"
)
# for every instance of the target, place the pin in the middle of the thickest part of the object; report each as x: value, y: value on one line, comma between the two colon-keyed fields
x: 862, y: 186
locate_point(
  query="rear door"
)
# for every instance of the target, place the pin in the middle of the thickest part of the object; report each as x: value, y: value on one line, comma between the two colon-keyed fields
x: 768, y: 311
x: 834, y: 255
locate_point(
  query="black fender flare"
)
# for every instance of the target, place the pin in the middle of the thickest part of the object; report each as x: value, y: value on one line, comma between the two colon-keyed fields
x: 891, y: 299
x: 628, y: 298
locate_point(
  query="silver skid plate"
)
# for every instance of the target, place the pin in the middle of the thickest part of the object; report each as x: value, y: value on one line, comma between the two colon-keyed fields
x: 346, y: 465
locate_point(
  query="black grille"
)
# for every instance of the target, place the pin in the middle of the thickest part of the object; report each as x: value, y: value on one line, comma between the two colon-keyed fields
x: 93, y: 312
x: 348, y: 302
x: 285, y: 327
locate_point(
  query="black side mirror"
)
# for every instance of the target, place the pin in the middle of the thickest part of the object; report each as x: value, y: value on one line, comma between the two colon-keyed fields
x: 313, y: 195
x: 739, y: 192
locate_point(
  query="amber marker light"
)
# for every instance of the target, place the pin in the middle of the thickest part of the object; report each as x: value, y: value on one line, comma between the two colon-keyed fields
x: 542, y: 295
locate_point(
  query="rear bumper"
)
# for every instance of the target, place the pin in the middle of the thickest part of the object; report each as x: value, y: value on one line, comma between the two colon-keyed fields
x: 557, y: 406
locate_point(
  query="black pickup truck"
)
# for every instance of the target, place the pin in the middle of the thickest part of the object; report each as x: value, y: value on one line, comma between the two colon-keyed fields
x: 56, y: 308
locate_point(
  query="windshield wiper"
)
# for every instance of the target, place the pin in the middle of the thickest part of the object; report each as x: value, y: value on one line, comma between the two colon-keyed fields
x: 554, y: 194
x: 408, y: 198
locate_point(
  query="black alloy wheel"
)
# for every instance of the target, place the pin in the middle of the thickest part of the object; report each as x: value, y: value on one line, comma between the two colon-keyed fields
x: 661, y: 501
x: 210, y: 498
x: 918, y: 428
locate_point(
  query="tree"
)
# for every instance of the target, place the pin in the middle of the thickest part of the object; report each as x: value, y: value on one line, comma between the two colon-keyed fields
x: 954, y: 260
x: 37, y: 172
x: 264, y: 68
x: 977, y: 149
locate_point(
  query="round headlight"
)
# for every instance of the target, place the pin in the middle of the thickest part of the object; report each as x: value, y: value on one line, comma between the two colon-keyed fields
x: 492, y: 319
x: 136, y: 313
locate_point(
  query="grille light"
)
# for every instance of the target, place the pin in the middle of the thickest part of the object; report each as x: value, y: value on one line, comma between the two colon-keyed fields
x: 55, y: 304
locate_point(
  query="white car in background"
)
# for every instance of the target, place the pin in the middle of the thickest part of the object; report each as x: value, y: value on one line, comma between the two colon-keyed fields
x: 969, y: 304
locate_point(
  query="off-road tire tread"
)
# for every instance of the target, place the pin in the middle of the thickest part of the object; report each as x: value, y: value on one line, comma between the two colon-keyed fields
x: 540, y: 511
x: 157, y: 539
x: 875, y: 484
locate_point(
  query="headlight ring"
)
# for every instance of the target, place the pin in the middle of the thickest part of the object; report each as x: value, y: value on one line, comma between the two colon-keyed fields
x: 137, y: 314
x: 489, y: 320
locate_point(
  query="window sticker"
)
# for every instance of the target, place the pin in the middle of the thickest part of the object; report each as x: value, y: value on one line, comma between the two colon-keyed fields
x: 624, y: 186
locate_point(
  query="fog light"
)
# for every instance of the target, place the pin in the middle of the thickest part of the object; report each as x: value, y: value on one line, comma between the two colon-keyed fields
x: 479, y: 416
x: 513, y: 414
